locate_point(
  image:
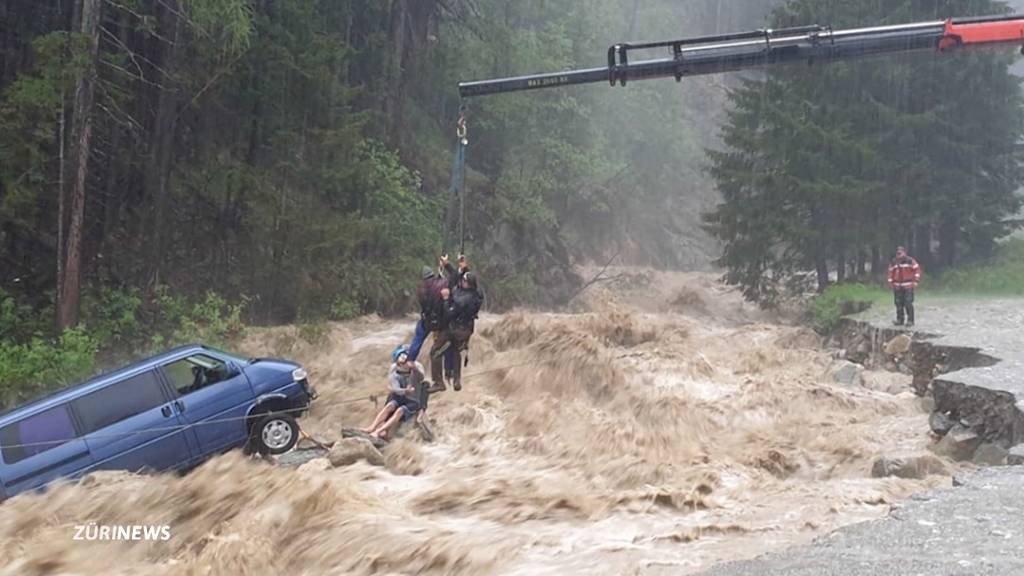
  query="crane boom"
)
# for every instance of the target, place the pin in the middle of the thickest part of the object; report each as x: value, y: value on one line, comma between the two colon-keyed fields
x: 732, y: 52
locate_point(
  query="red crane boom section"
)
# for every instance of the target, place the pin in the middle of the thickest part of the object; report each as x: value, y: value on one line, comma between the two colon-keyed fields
x: 966, y: 34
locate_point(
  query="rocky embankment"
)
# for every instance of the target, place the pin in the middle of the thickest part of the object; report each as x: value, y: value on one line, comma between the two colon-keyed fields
x: 966, y: 360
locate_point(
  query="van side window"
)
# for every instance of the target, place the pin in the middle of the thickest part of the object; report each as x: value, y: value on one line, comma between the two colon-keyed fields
x: 36, y: 434
x: 195, y: 372
x: 119, y: 401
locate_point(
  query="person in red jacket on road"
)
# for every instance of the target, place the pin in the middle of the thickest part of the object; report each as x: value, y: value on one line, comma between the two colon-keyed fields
x: 904, y: 276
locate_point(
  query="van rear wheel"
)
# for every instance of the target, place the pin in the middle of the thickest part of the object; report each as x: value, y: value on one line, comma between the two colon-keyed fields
x: 275, y: 434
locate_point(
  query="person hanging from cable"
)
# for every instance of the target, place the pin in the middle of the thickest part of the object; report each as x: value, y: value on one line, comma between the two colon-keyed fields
x: 431, y: 309
x: 443, y: 369
x: 435, y: 290
x: 462, y: 306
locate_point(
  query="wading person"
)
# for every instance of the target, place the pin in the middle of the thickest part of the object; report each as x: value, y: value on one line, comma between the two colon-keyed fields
x: 904, y: 276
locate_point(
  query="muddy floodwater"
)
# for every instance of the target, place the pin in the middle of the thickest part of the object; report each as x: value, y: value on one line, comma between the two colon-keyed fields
x: 663, y: 427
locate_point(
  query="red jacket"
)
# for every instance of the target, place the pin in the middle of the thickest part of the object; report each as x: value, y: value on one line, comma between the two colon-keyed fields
x: 904, y: 273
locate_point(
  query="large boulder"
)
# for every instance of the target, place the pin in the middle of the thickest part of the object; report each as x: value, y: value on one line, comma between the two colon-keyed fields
x: 990, y: 455
x: 314, y: 466
x: 847, y: 373
x: 959, y: 443
x: 888, y: 382
x: 913, y: 467
x: 940, y: 423
x: 351, y: 450
x: 898, y: 346
x: 1016, y: 456
x: 996, y: 415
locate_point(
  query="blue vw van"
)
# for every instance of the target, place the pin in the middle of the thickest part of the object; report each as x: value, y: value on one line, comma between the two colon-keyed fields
x: 168, y: 412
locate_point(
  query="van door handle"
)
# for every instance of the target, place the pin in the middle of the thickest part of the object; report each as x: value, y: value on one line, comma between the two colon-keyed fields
x: 166, y: 411
x: 180, y: 406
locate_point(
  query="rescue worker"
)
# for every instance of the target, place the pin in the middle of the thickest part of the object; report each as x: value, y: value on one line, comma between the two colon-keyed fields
x: 431, y: 309
x: 405, y: 401
x: 904, y: 276
x: 442, y: 342
x: 462, y: 306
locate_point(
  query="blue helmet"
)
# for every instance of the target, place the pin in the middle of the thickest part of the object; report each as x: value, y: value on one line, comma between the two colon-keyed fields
x: 403, y: 349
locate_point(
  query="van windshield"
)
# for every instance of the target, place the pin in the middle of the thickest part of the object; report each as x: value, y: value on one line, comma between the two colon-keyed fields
x: 240, y: 360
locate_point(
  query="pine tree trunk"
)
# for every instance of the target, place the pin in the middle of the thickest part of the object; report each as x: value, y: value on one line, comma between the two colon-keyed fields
x: 113, y: 196
x: 6, y: 44
x: 841, y: 268
x: 61, y: 204
x: 399, y: 33
x: 923, y: 246
x: 159, y: 166
x: 948, y: 233
x: 81, y: 134
x: 408, y: 31
x: 821, y: 266
x: 877, y: 264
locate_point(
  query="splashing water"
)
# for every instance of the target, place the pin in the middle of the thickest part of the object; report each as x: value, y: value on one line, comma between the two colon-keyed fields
x: 665, y: 428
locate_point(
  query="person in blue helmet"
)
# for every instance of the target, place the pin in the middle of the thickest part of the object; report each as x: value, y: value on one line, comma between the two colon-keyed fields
x: 405, y: 398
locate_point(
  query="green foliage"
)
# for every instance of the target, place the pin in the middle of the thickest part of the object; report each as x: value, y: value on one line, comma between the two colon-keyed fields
x: 210, y: 320
x: 308, y: 146
x: 823, y: 164
x: 17, y: 321
x: 38, y: 366
x: 309, y: 149
x: 29, y: 110
x: 112, y: 317
x: 843, y: 299
x: 117, y: 325
x: 344, y: 309
x: 225, y: 24
x: 1002, y: 275
x: 571, y: 174
x: 512, y: 290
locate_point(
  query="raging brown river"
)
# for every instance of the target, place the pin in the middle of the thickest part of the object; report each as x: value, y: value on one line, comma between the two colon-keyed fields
x: 660, y: 427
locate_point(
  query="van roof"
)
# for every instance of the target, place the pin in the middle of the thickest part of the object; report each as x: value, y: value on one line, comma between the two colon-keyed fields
x: 61, y: 396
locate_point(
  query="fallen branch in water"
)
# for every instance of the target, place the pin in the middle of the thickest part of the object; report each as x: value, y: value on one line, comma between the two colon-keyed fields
x: 597, y: 278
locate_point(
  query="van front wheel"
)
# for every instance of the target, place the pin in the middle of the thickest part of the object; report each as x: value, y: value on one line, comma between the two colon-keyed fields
x: 275, y: 434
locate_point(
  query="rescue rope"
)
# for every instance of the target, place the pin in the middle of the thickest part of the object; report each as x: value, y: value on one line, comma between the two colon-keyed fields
x: 458, y: 184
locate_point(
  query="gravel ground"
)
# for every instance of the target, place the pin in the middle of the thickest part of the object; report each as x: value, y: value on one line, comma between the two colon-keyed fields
x: 975, y: 529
